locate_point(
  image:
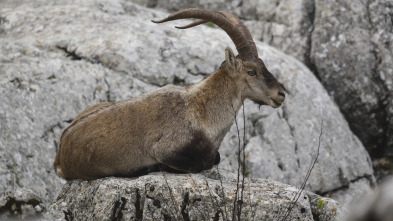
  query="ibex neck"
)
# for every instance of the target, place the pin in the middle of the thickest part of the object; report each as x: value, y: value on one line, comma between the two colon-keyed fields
x: 217, y: 101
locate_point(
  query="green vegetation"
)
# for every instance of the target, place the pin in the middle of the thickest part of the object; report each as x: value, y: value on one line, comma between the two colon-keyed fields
x: 320, y: 204
x: 210, y: 24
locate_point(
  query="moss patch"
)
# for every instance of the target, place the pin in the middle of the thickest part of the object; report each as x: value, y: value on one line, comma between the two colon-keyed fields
x: 320, y: 204
x: 210, y: 24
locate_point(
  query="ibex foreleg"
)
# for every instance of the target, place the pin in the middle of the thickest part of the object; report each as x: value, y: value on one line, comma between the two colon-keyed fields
x: 197, y: 155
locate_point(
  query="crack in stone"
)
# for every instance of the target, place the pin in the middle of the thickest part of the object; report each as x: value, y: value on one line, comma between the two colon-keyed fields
x: 70, y: 54
x: 138, y: 206
x: 95, y: 60
x: 108, y: 92
x: 50, y: 130
x: 346, y: 186
x: 307, y: 56
x: 68, y: 216
x: 217, y: 216
x: 14, y: 206
x: 291, y: 130
x: 156, y: 202
x: 184, y: 212
x: 117, y: 213
x: 286, y: 118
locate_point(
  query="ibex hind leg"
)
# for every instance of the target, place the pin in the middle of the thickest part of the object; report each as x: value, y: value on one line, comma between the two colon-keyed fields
x: 198, y: 155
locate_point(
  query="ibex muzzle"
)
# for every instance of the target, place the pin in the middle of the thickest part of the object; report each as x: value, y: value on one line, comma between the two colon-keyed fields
x: 173, y: 128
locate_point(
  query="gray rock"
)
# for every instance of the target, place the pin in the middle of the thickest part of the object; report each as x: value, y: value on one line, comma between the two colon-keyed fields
x: 353, y: 193
x: 352, y: 53
x: 21, y: 203
x: 164, y: 196
x: 377, y: 205
x: 54, y: 66
x: 284, y: 24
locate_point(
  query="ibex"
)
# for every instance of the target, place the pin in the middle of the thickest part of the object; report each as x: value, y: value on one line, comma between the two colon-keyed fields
x: 176, y: 128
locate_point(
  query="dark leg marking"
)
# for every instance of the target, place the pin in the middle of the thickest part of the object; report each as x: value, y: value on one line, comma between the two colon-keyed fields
x: 194, y: 157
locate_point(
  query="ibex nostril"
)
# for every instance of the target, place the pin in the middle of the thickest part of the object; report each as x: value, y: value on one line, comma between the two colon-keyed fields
x: 281, y: 94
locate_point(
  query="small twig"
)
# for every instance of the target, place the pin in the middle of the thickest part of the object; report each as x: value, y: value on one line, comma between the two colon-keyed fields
x: 311, y: 167
x: 223, y: 195
x: 243, y: 161
x: 231, y: 111
x: 246, y: 128
x: 238, y: 172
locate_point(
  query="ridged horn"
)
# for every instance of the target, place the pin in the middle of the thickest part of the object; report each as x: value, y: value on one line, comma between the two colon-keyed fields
x: 230, y: 23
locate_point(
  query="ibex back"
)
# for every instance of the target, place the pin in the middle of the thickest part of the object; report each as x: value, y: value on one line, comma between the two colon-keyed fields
x: 172, y: 128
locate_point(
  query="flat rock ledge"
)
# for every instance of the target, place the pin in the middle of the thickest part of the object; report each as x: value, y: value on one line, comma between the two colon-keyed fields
x: 163, y: 196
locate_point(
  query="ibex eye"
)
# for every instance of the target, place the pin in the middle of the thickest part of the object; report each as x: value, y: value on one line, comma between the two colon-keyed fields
x: 251, y: 73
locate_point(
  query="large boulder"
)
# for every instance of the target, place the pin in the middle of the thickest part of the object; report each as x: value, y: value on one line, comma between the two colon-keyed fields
x: 187, y: 197
x: 59, y: 58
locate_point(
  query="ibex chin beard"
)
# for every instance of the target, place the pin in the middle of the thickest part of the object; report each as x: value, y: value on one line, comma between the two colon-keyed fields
x: 274, y: 103
x: 259, y: 103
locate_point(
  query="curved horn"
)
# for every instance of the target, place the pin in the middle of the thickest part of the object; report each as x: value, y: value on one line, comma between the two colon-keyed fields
x: 246, y: 33
x: 194, y: 23
x: 231, y: 24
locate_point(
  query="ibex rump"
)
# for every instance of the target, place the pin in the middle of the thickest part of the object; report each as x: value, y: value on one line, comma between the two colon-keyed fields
x: 179, y: 128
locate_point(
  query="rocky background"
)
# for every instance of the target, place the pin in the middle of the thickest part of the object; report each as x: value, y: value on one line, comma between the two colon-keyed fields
x: 334, y: 58
x: 348, y: 45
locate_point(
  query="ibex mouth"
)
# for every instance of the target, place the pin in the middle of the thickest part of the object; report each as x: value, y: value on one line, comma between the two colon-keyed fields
x: 273, y: 103
x: 276, y: 103
x: 260, y: 103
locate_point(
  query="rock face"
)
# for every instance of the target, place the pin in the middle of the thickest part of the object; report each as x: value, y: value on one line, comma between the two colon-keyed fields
x: 352, y: 52
x: 186, y: 197
x: 59, y: 58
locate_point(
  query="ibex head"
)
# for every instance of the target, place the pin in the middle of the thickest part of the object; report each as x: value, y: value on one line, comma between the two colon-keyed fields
x: 251, y: 74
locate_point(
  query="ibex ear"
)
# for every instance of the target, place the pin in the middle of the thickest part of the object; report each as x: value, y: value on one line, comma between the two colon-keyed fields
x: 230, y: 58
